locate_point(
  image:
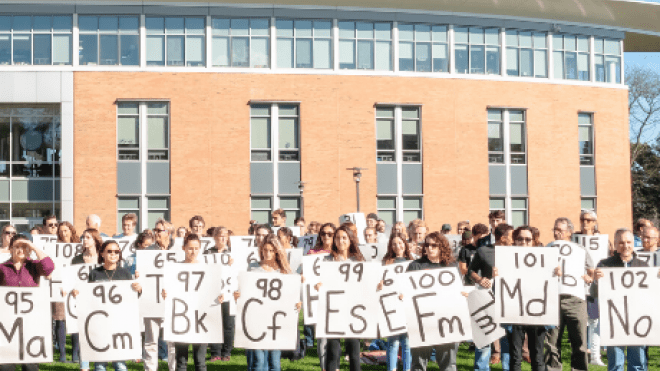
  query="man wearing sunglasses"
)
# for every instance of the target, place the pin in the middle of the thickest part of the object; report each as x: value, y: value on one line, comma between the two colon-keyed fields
x: 50, y: 225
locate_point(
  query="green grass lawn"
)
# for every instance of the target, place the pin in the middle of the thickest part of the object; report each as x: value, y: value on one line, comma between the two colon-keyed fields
x: 465, y: 361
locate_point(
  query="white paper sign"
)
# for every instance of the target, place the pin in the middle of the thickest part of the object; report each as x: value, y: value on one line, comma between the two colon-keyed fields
x: 229, y: 276
x: 206, y: 243
x: 62, y: 254
x: 391, y: 314
x: 126, y: 244
x: 193, y: 313
x: 373, y: 252
x: 647, y: 257
x: 243, y: 257
x: 455, y: 243
x: 72, y: 277
x: 482, y: 316
x: 526, y: 290
x: 151, y: 266
x: 597, y: 246
x: 436, y: 311
x: 109, y: 322
x: 4, y: 257
x: 239, y: 242
x: 628, y: 301
x: 311, y: 265
x: 295, y: 259
x: 572, y: 259
x: 266, y: 311
x: 40, y: 240
x: 307, y: 242
x: 25, y: 326
x: 348, y: 302
x: 360, y: 223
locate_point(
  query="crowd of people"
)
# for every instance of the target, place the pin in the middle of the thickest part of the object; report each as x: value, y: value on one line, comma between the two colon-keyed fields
x: 415, y: 243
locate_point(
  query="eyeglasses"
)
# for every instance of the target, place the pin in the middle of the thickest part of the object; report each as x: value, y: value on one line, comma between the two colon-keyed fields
x: 328, y: 234
x: 524, y: 239
x: 560, y: 230
x: 160, y: 230
x: 117, y: 252
x: 52, y: 224
x: 11, y: 233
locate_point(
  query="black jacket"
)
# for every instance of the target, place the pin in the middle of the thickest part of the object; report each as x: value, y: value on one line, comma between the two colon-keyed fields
x: 615, y: 262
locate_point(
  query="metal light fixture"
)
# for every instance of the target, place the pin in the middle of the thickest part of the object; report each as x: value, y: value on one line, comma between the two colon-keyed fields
x: 357, y: 174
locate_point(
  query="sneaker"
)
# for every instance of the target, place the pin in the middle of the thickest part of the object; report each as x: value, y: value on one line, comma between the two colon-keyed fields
x: 597, y: 362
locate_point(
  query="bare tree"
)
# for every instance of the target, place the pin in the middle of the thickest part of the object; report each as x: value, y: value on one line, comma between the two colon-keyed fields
x: 643, y: 106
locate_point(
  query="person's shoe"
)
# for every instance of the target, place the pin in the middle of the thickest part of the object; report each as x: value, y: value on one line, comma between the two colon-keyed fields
x: 494, y: 359
x: 216, y: 358
x: 226, y: 358
x: 527, y: 359
x: 596, y: 361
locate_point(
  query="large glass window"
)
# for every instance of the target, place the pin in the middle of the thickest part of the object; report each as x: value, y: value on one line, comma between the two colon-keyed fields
x: 477, y: 50
x: 241, y: 42
x: 274, y: 175
x: 571, y: 57
x: 423, y: 48
x: 143, y: 136
x: 526, y: 53
x: 304, y: 44
x: 399, y: 152
x: 30, y: 145
x: 109, y: 40
x: 365, y: 46
x: 175, y: 41
x: 507, y: 157
x: 607, y: 60
x: 35, y: 40
x: 586, y: 139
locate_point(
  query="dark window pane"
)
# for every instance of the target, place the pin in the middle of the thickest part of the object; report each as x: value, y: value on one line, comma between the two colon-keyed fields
x: 412, y: 157
x: 289, y: 156
x: 109, y: 50
x: 42, y: 48
x: 130, y: 50
x: 260, y: 156
x: 88, y: 50
x: 495, y: 158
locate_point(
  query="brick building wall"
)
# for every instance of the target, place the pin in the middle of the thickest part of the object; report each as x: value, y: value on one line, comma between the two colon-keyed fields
x: 210, y: 172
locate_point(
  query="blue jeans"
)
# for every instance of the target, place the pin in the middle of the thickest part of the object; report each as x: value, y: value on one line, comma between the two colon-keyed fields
x: 616, y: 358
x: 482, y: 356
x: 309, y: 335
x: 274, y: 360
x: 264, y: 360
x: 118, y: 366
x: 84, y: 365
x: 393, y: 352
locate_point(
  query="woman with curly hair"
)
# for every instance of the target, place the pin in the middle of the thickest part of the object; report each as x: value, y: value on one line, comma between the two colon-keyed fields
x: 398, y: 251
x: 344, y: 248
x: 436, y: 253
x: 66, y: 233
x: 273, y: 260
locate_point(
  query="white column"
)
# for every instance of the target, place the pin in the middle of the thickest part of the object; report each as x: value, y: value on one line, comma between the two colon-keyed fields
x: 395, y: 46
x: 551, y: 60
x: 75, y: 43
x: 274, y: 145
x: 503, y: 51
x: 335, y: 45
x: 507, y: 163
x: 273, y: 44
x: 398, y: 157
x: 592, y: 60
x: 144, y: 210
x: 209, y: 41
x: 623, y: 75
x: 143, y: 44
x: 452, y: 61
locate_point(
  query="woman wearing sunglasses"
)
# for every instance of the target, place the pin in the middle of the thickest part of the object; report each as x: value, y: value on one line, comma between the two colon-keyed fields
x: 8, y: 231
x: 21, y: 271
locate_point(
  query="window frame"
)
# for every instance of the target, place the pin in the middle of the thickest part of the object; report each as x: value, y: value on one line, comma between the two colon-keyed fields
x: 32, y: 32
x: 164, y: 34
x: 603, y: 56
x: 431, y: 42
x: 230, y: 37
x: 519, y: 50
x: 469, y: 44
x: 564, y: 52
x: 313, y: 38
x: 356, y: 42
x: 119, y: 33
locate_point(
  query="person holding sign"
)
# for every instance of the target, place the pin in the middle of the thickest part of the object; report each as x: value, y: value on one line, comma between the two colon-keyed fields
x: 110, y: 270
x: 524, y: 237
x: 573, y: 314
x: 279, y: 218
x: 649, y: 239
x: 272, y: 260
x: 344, y: 247
x: 436, y: 253
x: 197, y: 225
x: 639, y: 228
x: 128, y: 223
x: 624, y: 257
x: 8, y: 231
x: 589, y: 227
x: 370, y: 235
x: 222, y: 352
x: 285, y: 234
x: 260, y: 234
x: 21, y: 271
x: 482, y: 270
x: 66, y: 233
x: 163, y: 232
x: 49, y: 224
x: 398, y: 251
x: 192, y: 245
